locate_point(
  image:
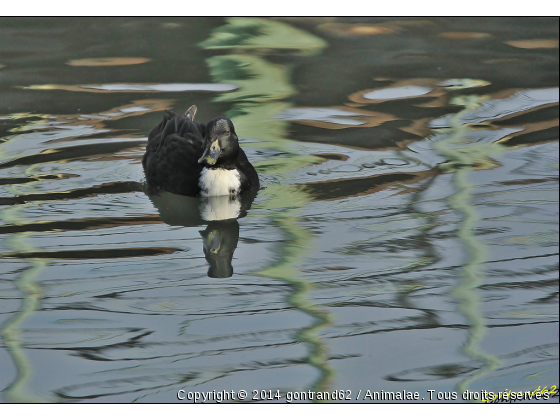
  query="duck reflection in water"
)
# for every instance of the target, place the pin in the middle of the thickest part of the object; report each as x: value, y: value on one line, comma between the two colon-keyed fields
x: 219, y: 239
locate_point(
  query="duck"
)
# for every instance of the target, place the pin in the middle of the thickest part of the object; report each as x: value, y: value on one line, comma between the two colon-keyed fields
x: 195, y: 159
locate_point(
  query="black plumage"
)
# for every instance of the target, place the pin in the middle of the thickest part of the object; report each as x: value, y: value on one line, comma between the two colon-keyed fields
x: 179, y: 149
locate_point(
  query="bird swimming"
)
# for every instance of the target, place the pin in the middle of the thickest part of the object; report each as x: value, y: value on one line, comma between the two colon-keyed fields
x: 189, y: 158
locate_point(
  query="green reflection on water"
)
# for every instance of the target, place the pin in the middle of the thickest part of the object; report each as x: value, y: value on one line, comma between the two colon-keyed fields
x: 292, y: 251
x: 264, y: 86
x: 462, y: 160
x: 249, y: 33
x: 18, y: 391
x: 258, y: 79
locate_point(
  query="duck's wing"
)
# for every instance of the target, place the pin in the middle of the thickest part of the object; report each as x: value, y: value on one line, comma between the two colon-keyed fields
x: 194, y: 131
x: 154, y: 132
x: 154, y: 136
x: 171, y: 158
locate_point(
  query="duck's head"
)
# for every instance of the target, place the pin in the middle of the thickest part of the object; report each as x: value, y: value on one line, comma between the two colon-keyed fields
x: 221, y: 143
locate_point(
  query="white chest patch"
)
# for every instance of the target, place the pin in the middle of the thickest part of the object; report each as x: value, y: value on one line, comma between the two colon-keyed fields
x: 214, y: 182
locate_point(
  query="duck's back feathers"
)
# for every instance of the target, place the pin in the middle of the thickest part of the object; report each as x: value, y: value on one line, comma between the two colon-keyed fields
x: 171, y: 158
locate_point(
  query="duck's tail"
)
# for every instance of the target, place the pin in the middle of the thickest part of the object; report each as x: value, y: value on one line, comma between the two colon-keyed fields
x: 189, y: 113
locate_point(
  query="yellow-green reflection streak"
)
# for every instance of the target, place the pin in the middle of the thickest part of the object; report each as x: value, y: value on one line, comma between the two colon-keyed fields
x: 19, y: 390
x: 262, y: 93
x: 290, y: 253
x: 256, y: 34
x: 263, y: 86
x: 462, y: 160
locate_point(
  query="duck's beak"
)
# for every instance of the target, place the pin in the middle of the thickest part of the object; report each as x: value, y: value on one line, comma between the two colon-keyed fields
x: 211, y: 153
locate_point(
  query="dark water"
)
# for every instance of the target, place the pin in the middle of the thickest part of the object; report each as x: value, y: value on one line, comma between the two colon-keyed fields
x: 407, y: 237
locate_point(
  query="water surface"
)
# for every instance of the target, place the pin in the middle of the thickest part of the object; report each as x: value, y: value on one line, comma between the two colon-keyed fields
x: 406, y: 236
